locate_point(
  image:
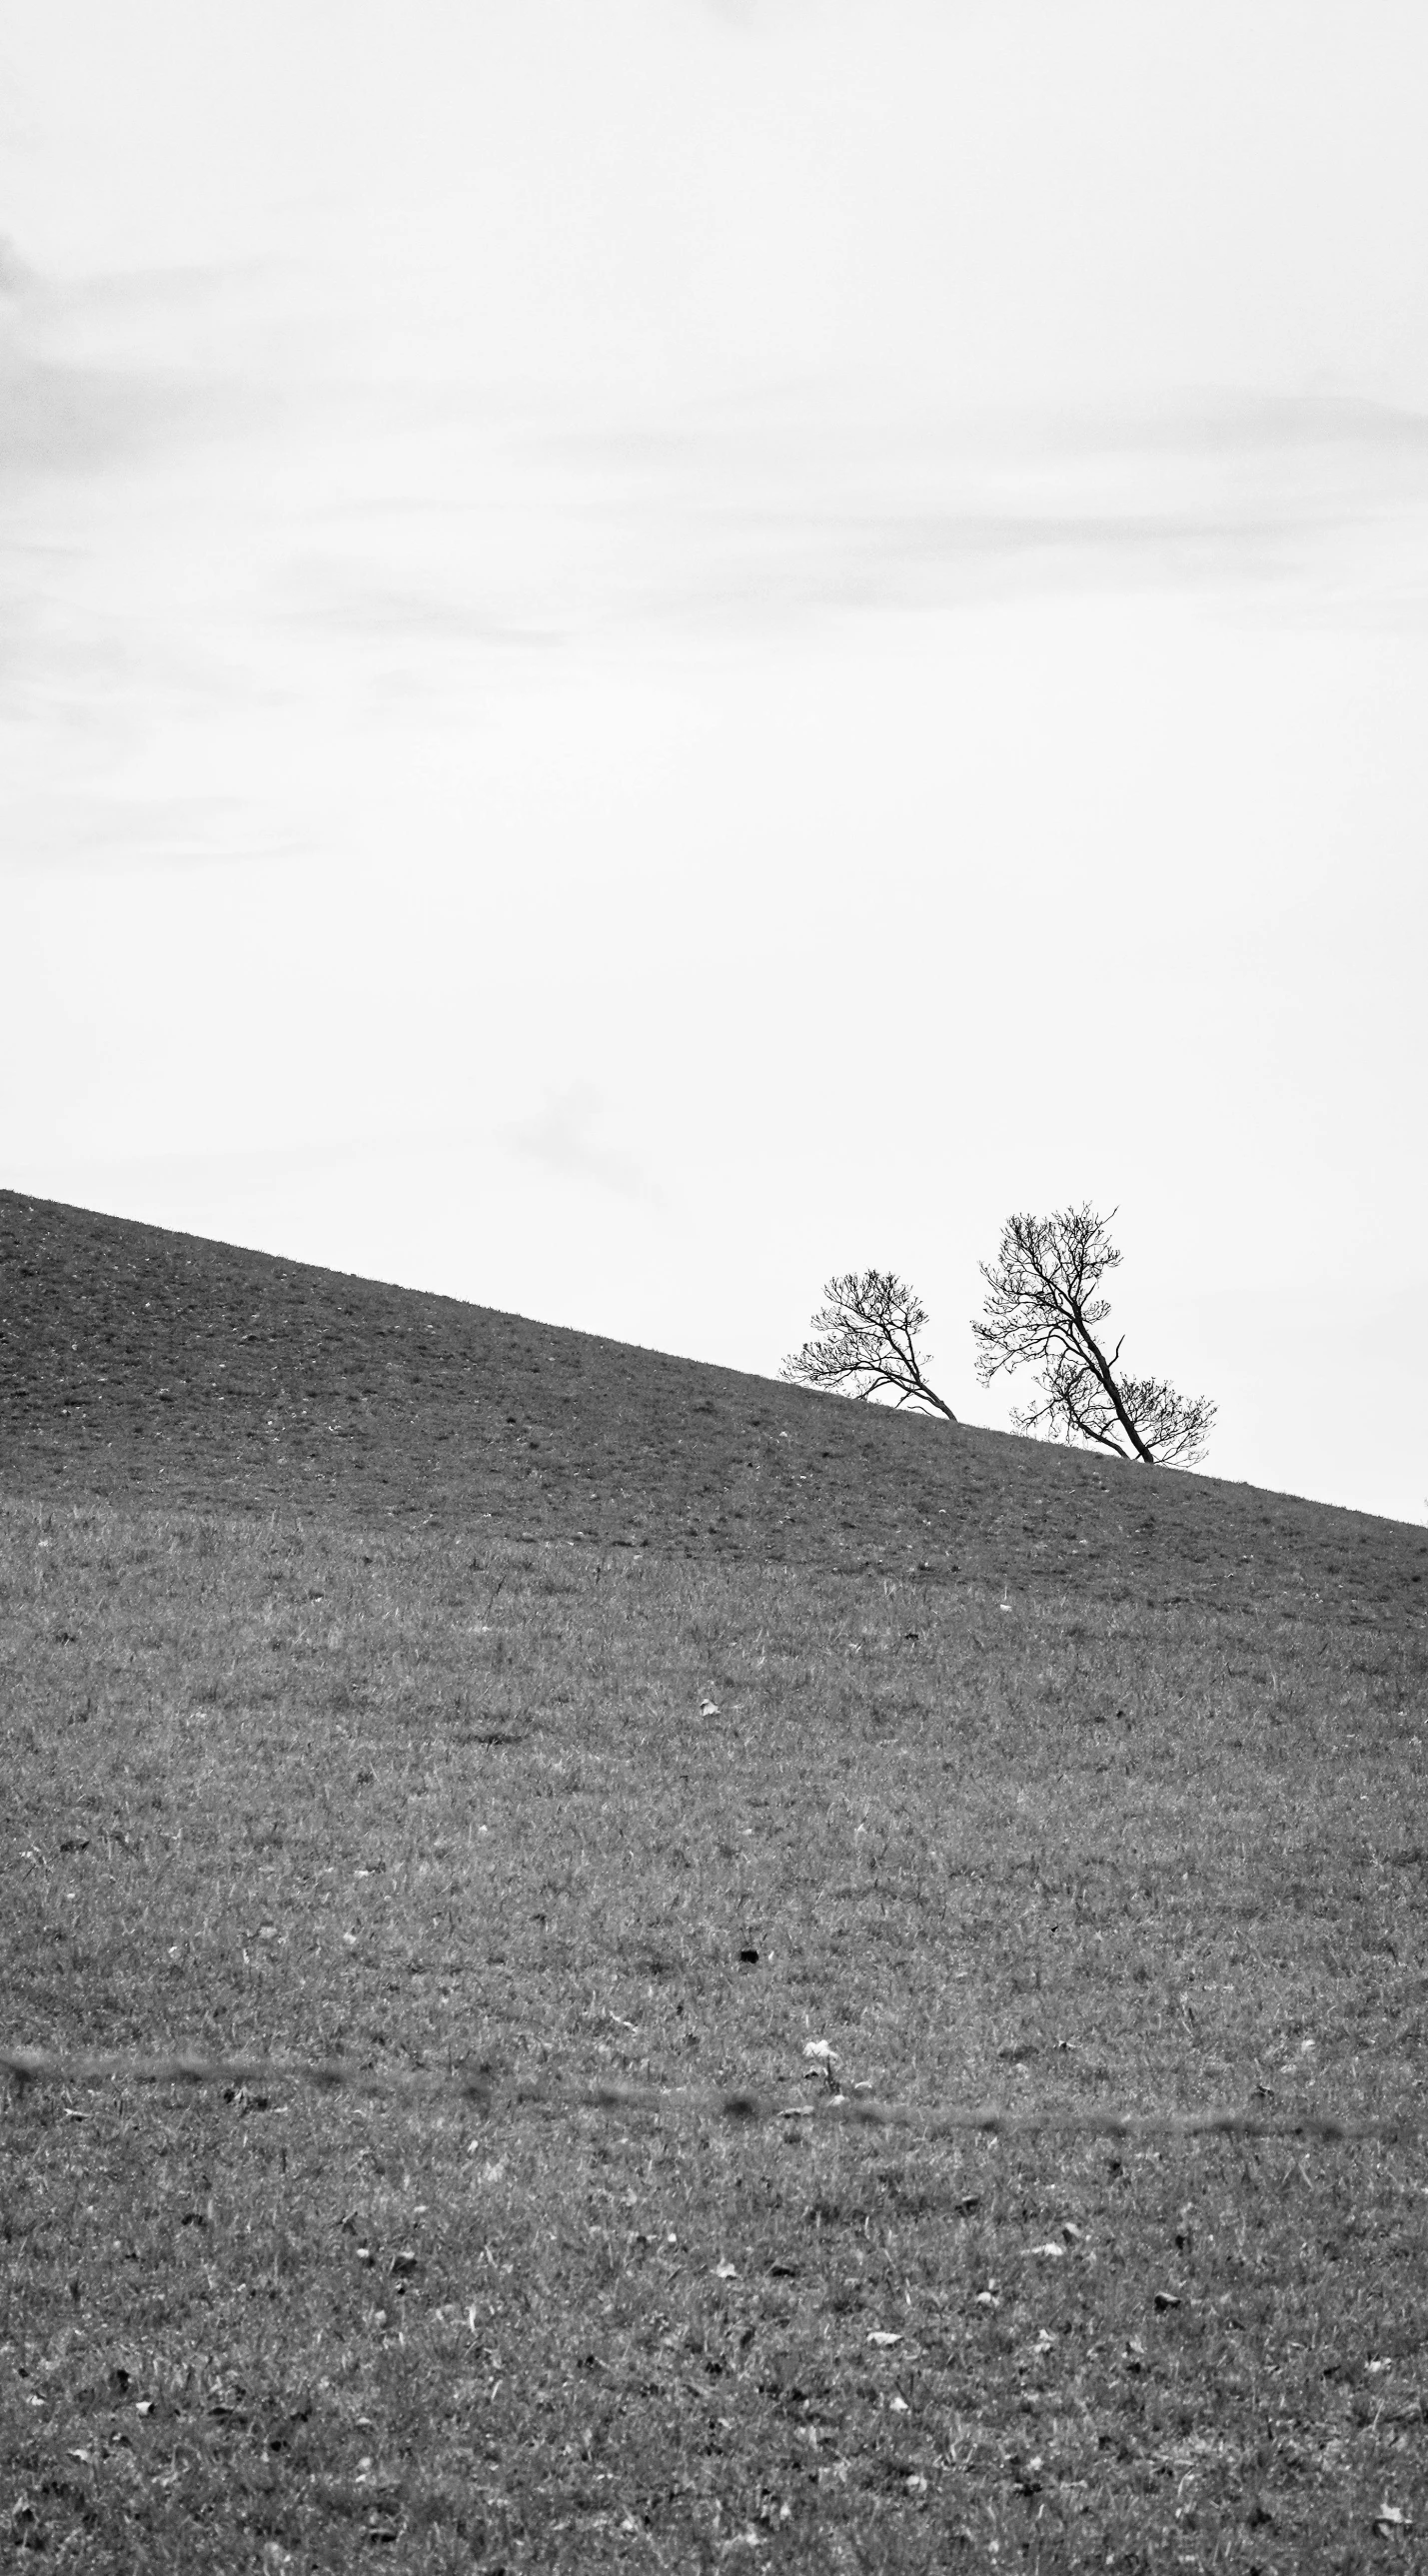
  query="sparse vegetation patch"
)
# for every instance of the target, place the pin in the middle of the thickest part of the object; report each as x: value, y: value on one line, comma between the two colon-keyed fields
x: 385, y: 1680
x: 534, y: 1809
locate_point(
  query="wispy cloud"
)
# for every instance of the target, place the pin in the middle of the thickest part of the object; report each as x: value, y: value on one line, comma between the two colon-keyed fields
x: 60, y: 419
x: 355, y: 600
x: 122, y: 663
x: 796, y: 510
x: 562, y: 1136
x: 775, y: 511
x: 107, y: 830
x: 64, y: 415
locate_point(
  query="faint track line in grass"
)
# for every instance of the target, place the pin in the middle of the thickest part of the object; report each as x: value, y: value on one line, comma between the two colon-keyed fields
x: 26, y: 2066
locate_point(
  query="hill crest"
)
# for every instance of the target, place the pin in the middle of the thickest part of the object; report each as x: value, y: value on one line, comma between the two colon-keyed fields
x: 154, y: 1368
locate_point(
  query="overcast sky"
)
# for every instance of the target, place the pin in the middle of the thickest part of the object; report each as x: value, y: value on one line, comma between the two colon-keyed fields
x: 654, y: 648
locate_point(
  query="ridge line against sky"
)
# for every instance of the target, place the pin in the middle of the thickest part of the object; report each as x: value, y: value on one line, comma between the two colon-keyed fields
x: 644, y: 656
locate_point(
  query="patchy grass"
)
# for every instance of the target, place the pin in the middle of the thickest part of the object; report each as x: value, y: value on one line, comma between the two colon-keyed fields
x: 424, y: 1798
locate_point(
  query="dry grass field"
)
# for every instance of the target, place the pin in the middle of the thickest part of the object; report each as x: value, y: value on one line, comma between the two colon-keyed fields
x: 386, y: 1680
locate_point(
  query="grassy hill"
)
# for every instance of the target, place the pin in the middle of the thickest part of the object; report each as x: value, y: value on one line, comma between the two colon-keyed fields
x: 386, y: 1679
x: 150, y: 1367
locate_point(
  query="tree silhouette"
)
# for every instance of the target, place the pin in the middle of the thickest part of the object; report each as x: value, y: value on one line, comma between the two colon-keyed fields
x: 1042, y: 1310
x: 865, y: 1342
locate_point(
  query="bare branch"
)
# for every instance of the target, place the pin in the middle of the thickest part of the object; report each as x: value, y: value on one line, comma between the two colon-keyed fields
x: 865, y: 1343
x: 1042, y: 1310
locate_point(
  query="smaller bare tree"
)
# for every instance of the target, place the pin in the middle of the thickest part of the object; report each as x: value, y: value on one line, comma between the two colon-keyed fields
x: 1042, y: 1310
x: 865, y: 1342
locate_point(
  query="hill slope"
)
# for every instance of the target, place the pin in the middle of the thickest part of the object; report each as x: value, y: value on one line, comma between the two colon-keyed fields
x: 338, y: 1766
x: 143, y: 1365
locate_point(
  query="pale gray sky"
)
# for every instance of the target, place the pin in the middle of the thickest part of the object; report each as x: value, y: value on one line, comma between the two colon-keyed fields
x: 648, y: 651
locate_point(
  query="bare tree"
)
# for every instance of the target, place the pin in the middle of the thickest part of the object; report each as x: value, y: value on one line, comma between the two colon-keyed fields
x: 1042, y: 1310
x: 865, y: 1342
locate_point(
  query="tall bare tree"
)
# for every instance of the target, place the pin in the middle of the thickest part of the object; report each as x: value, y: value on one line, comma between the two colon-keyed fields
x: 1043, y: 1311
x: 865, y: 1342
